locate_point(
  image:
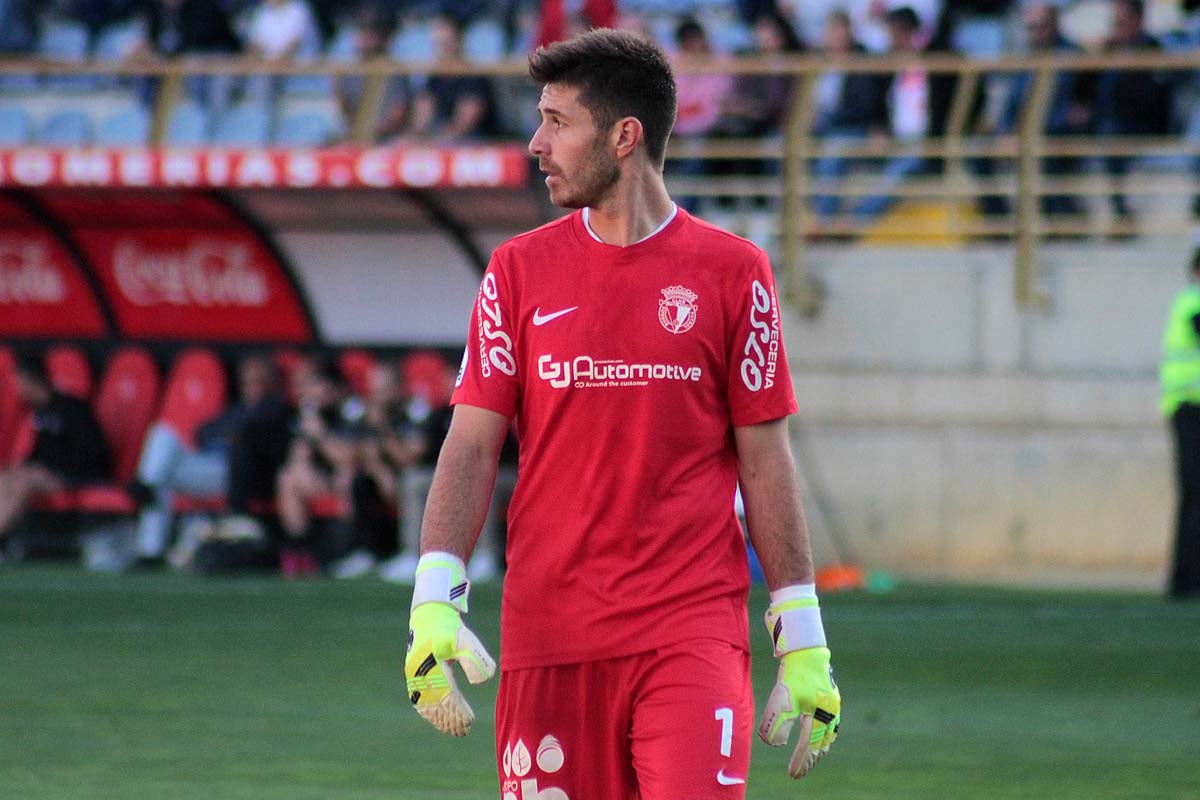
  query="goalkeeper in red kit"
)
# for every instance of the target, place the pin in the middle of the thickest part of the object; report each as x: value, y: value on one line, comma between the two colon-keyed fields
x: 639, y: 352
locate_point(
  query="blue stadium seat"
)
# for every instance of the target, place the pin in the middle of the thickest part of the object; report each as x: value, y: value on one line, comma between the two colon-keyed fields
x: 67, y: 128
x: 483, y: 42
x: 243, y: 125
x: 304, y: 129
x: 187, y: 126
x: 62, y: 40
x: 15, y: 126
x: 129, y: 127
x: 413, y: 44
x: 117, y: 42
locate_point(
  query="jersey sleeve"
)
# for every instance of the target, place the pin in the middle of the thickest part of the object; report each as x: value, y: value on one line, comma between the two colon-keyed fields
x: 759, y: 381
x: 488, y: 376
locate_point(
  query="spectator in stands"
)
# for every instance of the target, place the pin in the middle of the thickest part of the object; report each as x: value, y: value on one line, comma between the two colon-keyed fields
x: 374, y: 26
x: 282, y: 30
x: 168, y: 464
x: 851, y: 107
x: 700, y: 96
x: 19, y: 26
x: 1131, y: 102
x: 174, y: 28
x: 873, y: 21
x: 758, y: 104
x: 918, y: 104
x: 1071, y: 107
x: 553, y: 23
x: 389, y: 440
x: 322, y: 457
x: 452, y: 108
x: 69, y: 447
x: 96, y: 15
x: 414, y: 489
x: 1187, y: 38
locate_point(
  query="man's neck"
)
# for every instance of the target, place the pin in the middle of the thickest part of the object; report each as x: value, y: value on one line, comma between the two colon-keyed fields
x: 633, y: 210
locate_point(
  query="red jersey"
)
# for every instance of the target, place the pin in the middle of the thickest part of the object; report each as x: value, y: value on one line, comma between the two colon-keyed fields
x: 626, y: 369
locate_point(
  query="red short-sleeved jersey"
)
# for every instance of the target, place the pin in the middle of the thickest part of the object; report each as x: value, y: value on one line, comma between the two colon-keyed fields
x: 626, y: 369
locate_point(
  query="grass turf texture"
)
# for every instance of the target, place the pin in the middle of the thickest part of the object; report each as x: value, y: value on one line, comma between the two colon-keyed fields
x: 163, y: 686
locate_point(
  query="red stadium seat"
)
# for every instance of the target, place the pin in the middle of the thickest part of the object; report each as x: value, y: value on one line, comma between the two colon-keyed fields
x: 125, y: 405
x: 69, y: 370
x: 356, y: 366
x: 426, y: 374
x: 13, y: 414
x: 196, y: 391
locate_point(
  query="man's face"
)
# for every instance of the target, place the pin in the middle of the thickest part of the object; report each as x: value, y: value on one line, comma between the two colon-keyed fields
x: 578, y: 160
x: 1040, y: 27
x: 256, y: 378
x: 1127, y: 25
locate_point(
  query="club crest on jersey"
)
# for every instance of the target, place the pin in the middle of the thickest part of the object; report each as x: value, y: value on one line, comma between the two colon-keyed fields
x: 677, y: 309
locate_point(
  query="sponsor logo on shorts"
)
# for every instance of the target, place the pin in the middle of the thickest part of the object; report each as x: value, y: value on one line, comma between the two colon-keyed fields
x: 725, y: 780
x: 518, y: 764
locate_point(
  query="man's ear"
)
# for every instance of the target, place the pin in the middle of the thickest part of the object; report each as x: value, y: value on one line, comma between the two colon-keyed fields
x: 627, y: 135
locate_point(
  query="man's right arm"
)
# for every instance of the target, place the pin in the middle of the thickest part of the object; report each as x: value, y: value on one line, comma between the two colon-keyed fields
x: 463, y: 481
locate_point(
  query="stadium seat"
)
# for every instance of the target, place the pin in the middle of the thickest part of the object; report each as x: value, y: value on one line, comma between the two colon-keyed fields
x: 15, y: 126
x: 356, y: 366
x: 69, y: 370
x: 117, y: 42
x: 12, y: 410
x: 425, y: 374
x: 125, y: 404
x: 305, y: 129
x: 187, y: 126
x: 63, y: 40
x: 484, y: 42
x: 413, y: 44
x: 129, y: 127
x: 246, y: 124
x: 66, y: 128
x: 196, y: 391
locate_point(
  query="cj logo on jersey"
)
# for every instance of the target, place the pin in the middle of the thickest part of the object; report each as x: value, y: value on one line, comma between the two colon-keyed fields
x: 762, y: 345
x: 586, y: 372
x: 517, y: 763
x: 677, y: 309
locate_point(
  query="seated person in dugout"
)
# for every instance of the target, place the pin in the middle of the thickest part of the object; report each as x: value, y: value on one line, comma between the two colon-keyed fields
x: 69, y: 447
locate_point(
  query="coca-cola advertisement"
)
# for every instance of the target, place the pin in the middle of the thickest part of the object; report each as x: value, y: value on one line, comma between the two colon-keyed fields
x: 42, y: 291
x: 195, y: 284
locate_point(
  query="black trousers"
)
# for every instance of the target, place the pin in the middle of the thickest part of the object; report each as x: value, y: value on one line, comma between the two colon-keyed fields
x: 1185, y: 571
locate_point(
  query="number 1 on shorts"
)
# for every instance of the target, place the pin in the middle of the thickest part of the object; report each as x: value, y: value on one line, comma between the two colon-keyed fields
x: 725, y: 716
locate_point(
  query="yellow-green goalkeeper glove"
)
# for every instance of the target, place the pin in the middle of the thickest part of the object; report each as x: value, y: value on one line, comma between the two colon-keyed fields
x: 804, y: 688
x: 436, y: 639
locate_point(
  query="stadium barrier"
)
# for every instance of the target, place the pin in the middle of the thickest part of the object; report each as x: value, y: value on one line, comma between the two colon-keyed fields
x: 789, y: 189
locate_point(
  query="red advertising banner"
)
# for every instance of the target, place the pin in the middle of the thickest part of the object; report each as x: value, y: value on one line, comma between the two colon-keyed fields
x: 195, y: 284
x: 43, y: 292
x: 504, y: 166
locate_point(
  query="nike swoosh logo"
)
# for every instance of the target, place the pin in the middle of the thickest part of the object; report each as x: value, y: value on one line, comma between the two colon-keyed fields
x: 725, y: 780
x: 540, y: 319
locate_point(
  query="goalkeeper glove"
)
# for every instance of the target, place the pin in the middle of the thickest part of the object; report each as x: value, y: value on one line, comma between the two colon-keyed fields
x: 436, y: 639
x: 804, y: 688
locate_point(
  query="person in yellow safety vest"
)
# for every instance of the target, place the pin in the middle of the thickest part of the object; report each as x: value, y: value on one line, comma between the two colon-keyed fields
x: 1180, y: 403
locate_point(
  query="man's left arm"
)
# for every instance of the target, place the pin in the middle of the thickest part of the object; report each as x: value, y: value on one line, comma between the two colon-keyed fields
x: 804, y: 689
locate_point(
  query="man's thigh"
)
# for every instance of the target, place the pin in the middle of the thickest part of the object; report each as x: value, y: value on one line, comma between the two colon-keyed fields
x: 692, y: 722
x: 671, y: 724
x: 562, y: 733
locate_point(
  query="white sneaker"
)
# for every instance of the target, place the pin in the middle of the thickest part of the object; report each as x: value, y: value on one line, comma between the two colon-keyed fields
x: 482, y: 567
x: 401, y: 568
x: 354, y: 565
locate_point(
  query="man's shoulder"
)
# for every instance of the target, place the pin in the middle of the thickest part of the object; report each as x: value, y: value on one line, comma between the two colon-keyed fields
x: 553, y: 234
x: 719, y: 244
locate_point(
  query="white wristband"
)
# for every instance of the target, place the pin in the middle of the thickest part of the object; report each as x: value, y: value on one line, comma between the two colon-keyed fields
x: 441, y: 578
x: 794, y: 619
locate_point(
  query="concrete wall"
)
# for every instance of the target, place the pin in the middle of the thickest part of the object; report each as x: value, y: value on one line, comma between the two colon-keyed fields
x: 956, y: 435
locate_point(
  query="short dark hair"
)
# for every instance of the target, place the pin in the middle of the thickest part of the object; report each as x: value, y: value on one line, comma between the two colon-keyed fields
x: 689, y: 28
x: 619, y: 74
x: 905, y: 17
x: 31, y: 366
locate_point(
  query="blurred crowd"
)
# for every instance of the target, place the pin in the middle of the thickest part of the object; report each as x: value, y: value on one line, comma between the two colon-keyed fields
x: 319, y: 464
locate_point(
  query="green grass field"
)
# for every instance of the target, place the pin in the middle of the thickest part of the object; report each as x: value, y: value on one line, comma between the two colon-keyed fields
x: 163, y: 686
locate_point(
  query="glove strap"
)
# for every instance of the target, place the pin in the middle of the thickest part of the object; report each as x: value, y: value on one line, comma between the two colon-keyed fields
x: 794, y: 619
x: 441, y: 578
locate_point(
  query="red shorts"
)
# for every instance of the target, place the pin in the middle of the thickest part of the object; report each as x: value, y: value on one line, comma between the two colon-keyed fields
x: 668, y: 724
